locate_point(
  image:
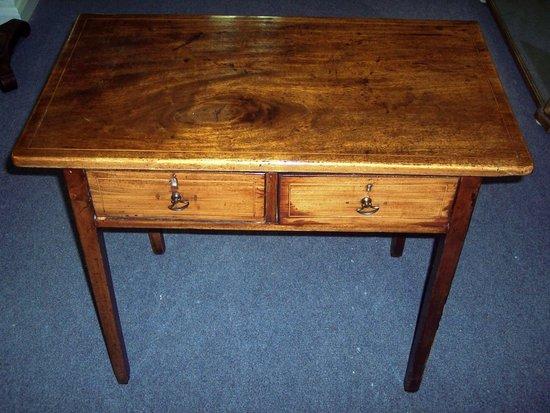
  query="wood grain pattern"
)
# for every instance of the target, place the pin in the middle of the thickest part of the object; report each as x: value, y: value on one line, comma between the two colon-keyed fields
x: 212, y: 196
x: 274, y: 94
x: 407, y: 204
x: 272, y: 197
x: 242, y: 108
x: 447, y: 249
x: 97, y: 270
x: 214, y: 225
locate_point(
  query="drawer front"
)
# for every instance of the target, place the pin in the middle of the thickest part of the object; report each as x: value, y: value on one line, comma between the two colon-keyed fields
x: 398, y: 204
x: 147, y: 195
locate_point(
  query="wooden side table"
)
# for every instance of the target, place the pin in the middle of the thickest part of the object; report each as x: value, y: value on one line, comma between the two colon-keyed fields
x: 279, y: 124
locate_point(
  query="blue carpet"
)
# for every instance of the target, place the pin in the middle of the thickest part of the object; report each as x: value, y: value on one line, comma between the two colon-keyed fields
x: 271, y: 322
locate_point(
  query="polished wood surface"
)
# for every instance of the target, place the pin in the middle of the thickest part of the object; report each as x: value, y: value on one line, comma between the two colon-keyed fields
x: 214, y: 225
x: 274, y: 124
x: 272, y: 198
x: 97, y: 269
x: 156, y: 239
x: 407, y: 204
x: 274, y: 94
x: 212, y: 196
x: 447, y: 251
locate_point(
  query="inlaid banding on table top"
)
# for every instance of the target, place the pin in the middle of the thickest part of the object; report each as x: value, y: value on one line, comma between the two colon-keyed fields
x: 274, y: 124
x: 415, y: 96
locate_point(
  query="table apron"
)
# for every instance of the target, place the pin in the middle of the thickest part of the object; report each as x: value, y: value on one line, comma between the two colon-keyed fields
x: 244, y: 201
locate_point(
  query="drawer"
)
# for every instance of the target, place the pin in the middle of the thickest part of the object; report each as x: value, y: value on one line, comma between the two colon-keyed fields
x: 211, y: 196
x: 398, y: 204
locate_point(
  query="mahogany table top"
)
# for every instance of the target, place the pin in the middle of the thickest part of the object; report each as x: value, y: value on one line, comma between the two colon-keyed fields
x: 289, y: 94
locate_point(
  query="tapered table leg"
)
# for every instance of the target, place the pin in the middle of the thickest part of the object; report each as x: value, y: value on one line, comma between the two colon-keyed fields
x: 438, y: 284
x: 157, y: 242
x: 97, y: 266
x: 397, y: 245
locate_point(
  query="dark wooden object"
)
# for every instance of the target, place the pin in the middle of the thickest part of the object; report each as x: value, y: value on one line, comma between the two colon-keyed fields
x: 271, y: 198
x: 397, y: 246
x: 440, y: 276
x: 10, y: 32
x: 262, y: 122
x: 97, y: 267
x: 275, y: 95
x: 157, y: 242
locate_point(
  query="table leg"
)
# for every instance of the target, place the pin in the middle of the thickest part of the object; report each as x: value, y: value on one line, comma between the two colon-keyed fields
x: 397, y: 245
x: 157, y: 242
x: 95, y: 259
x: 447, y: 251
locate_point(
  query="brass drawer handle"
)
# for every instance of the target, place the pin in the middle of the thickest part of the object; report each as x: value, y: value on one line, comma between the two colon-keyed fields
x: 367, y: 208
x: 177, y: 203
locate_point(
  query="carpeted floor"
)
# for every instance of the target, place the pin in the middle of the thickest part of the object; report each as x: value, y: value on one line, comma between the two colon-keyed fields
x: 270, y: 322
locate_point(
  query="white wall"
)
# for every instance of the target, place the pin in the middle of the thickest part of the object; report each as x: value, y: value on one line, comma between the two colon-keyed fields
x: 16, y: 9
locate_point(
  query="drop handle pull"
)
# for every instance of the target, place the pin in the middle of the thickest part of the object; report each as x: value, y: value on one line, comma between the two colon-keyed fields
x: 177, y: 203
x: 367, y: 208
